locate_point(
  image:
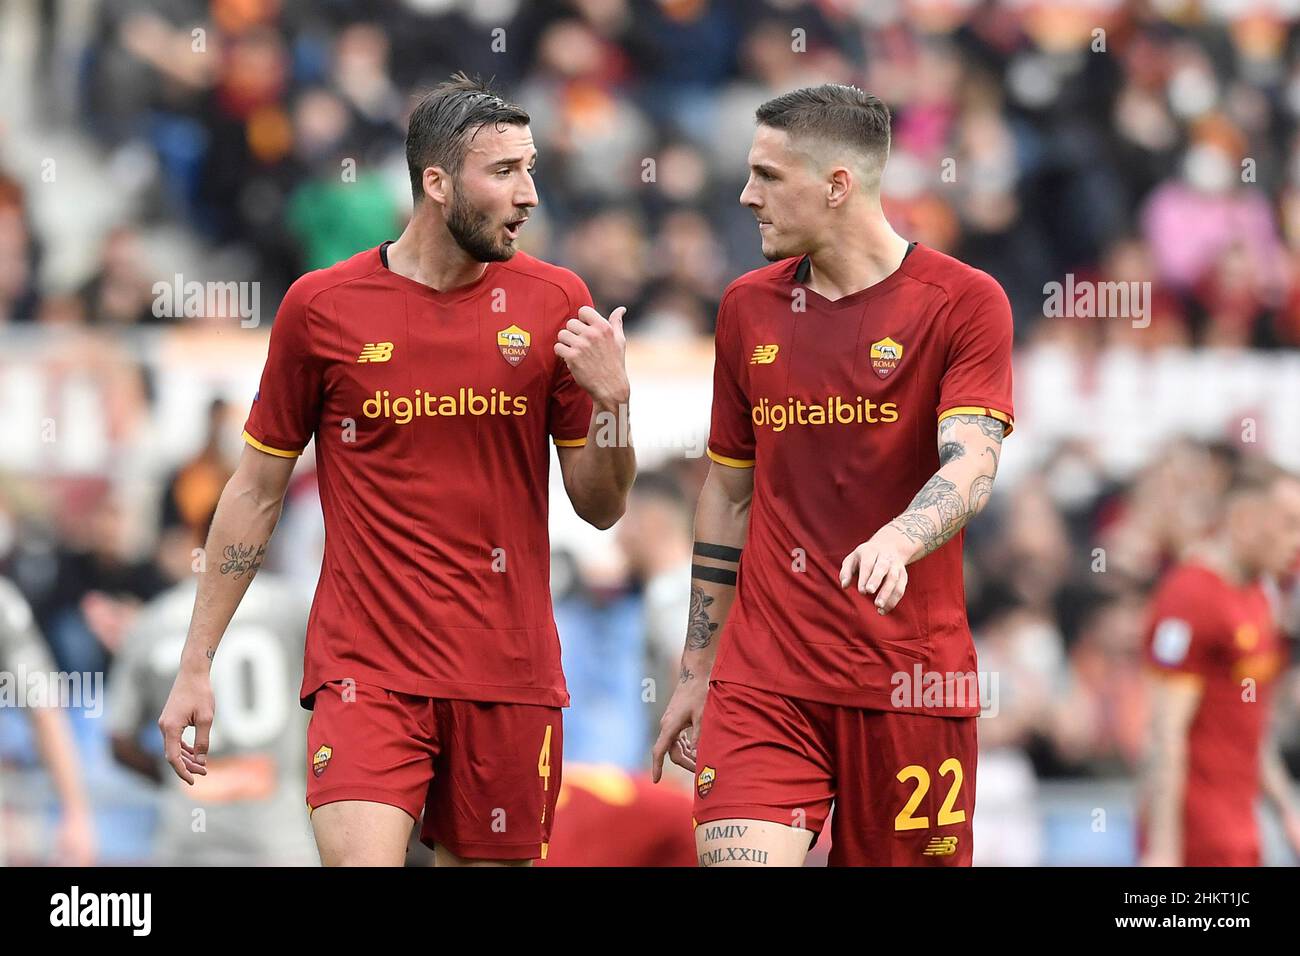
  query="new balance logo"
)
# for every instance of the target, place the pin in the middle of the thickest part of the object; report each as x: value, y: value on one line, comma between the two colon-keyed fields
x: 376, y: 352
x: 941, y: 846
x: 764, y: 354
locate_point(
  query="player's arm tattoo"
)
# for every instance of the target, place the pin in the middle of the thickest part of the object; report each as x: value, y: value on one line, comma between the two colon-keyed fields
x: 701, y: 626
x: 241, y: 559
x: 950, y: 451
x: 953, y: 495
x: 699, y: 633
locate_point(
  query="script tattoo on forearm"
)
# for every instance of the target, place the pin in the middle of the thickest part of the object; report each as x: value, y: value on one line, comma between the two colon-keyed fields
x: 699, y: 633
x: 941, y: 494
x: 241, y: 559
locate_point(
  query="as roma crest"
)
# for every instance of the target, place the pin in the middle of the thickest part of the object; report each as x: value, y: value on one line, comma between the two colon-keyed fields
x: 513, y: 343
x: 885, y: 356
x: 704, y: 782
x: 321, y: 759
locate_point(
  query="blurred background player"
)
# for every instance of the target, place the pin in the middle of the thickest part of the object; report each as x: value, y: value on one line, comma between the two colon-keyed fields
x: 1216, y: 652
x: 655, y: 537
x: 862, y: 389
x: 608, y: 816
x: 249, y: 810
x: 23, y: 657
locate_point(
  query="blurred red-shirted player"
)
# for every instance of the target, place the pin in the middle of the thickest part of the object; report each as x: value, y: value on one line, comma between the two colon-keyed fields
x: 862, y: 389
x: 432, y: 372
x: 1215, y: 650
x: 608, y: 817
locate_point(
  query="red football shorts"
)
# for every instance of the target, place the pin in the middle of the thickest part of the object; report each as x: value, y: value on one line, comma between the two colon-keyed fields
x: 1218, y: 829
x: 903, y: 785
x: 485, y: 775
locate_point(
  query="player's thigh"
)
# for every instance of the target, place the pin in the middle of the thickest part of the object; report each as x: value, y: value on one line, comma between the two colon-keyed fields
x: 906, y: 793
x: 370, y: 759
x: 738, y: 842
x: 361, y: 833
x: 444, y: 857
x: 495, y: 783
x: 763, y: 772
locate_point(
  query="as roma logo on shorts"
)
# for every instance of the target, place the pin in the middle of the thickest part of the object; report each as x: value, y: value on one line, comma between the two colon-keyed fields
x: 704, y: 782
x: 885, y: 356
x: 513, y: 343
x: 321, y: 759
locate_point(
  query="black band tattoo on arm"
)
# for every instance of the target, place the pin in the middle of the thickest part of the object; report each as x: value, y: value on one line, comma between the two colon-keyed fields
x: 721, y: 552
x: 716, y: 575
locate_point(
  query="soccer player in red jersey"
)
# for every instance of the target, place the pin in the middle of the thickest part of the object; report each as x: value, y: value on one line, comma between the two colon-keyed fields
x: 608, y: 817
x: 846, y: 671
x: 431, y: 371
x: 1214, y: 650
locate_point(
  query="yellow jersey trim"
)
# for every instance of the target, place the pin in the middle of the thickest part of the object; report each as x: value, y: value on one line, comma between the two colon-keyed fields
x: 730, y: 462
x: 982, y: 410
x: 279, y: 452
x: 570, y: 442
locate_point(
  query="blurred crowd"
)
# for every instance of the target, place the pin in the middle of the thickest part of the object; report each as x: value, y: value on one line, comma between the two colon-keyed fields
x: 1147, y: 141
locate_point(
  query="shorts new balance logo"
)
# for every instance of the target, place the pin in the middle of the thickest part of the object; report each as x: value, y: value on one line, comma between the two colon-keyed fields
x: 941, y: 846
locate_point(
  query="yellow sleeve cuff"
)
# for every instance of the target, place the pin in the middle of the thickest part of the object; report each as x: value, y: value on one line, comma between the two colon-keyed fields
x: 982, y: 410
x: 569, y: 442
x: 729, y: 462
x: 279, y: 452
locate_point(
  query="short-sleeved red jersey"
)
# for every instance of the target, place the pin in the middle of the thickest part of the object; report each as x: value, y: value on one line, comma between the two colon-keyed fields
x: 1226, y: 638
x: 431, y: 413
x: 606, y: 816
x: 836, y: 406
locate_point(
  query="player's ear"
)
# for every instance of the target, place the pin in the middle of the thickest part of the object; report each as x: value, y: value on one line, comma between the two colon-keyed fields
x: 838, y: 186
x: 437, y: 185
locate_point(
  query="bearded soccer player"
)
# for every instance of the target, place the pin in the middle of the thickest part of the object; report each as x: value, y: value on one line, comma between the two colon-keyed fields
x: 1215, y: 651
x: 862, y: 388
x: 431, y: 371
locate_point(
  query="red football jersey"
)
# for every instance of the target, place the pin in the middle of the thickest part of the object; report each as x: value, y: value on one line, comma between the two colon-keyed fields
x: 836, y: 406
x: 1226, y: 638
x: 431, y: 412
x: 608, y: 817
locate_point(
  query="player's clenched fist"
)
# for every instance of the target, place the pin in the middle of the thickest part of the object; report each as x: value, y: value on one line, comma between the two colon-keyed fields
x: 879, y: 567
x: 593, y: 346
